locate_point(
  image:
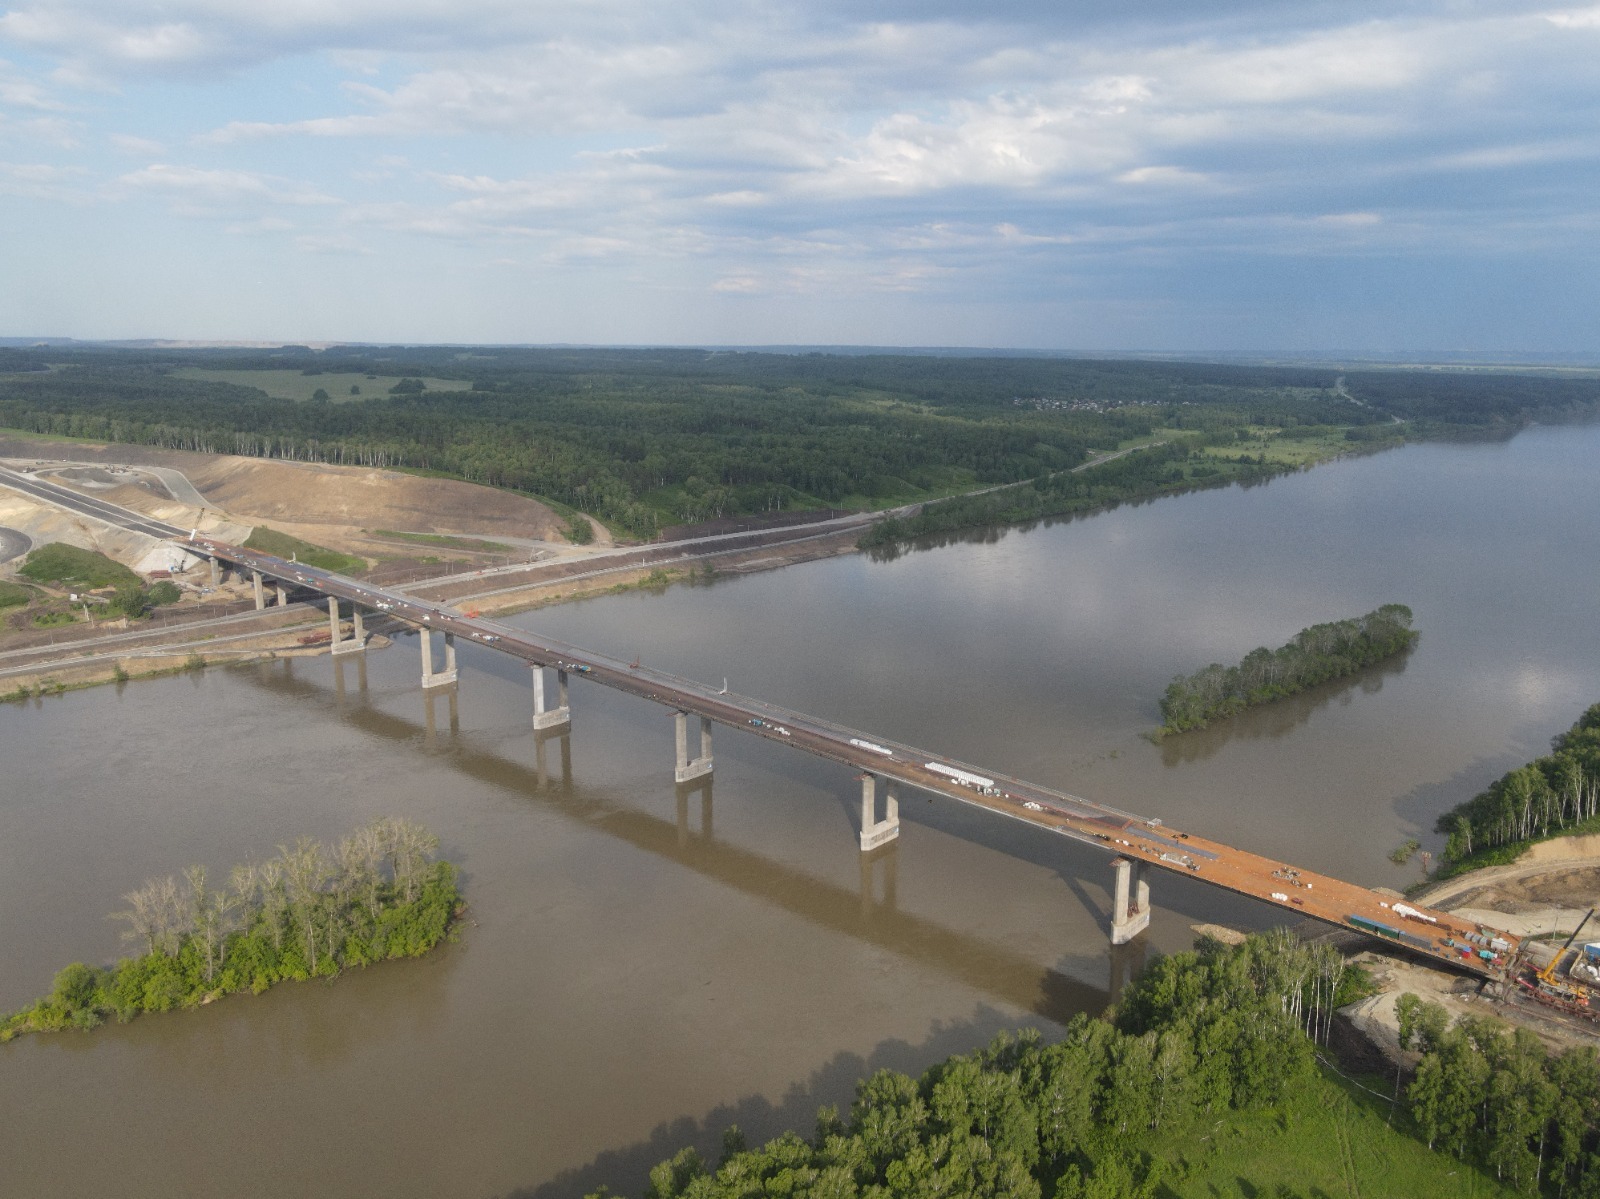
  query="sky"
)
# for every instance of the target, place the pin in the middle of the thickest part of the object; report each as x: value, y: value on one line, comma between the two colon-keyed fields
x: 1089, y: 175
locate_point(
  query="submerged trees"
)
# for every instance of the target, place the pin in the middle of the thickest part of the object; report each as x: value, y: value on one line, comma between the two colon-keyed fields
x: 311, y: 911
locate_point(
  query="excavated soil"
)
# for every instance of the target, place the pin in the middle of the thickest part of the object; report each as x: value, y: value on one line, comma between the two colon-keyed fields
x: 327, y: 505
x: 1578, y: 887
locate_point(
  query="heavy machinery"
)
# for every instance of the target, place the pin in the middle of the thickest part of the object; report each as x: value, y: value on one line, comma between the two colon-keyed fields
x: 1549, y: 988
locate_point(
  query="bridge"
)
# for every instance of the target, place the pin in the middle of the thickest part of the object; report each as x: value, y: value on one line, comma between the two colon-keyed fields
x: 1138, y: 844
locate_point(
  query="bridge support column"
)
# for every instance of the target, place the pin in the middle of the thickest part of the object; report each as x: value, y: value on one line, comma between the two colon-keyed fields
x: 282, y: 590
x: 1130, y: 901
x: 441, y: 678
x: 689, y: 770
x: 357, y: 641
x: 875, y: 832
x: 216, y: 573
x: 550, y: 718
x: 261, y: 600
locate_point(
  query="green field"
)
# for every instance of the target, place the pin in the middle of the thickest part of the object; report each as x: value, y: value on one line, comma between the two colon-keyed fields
x: 294, y: 385
x: 14, y: 595
x: 64, y: 565
x: 270, y: 541
x: 1329, y: 1138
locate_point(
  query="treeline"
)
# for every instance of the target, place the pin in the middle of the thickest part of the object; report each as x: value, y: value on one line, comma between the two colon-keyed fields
x: 1487, y: 1095
x: 648, y: 438
x: 1315, y: 655
x: 1551, y: 795
x: 1445, y: 401
x: 1157, y: 470
x: 310, y: 912
x: 1199, y: 1034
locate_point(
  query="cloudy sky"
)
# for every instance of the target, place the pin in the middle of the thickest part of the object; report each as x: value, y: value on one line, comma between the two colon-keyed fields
x: 1226, y: 175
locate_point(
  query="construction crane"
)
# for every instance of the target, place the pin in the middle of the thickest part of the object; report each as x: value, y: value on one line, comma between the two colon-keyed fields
x: 1556, y: 992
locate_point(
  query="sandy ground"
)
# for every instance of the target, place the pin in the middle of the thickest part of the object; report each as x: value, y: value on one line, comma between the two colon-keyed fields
x: 1547, y: 891
x: 1511, y: 884
x: 328, y: 505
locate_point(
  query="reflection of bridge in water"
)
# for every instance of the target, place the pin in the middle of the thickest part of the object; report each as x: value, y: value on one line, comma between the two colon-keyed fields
x: 869, y: 913
x: 1137, y: 842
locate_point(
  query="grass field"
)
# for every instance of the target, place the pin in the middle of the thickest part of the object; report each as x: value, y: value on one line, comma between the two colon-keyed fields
x: 68, y: 566
x: 270, y: 541
x: 1298, y: 448
x: 1331, y: 1139
x: 292, y: 385
x: 14, y: 595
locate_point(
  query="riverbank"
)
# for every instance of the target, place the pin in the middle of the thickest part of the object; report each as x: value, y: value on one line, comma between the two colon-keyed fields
x: 91, y: 662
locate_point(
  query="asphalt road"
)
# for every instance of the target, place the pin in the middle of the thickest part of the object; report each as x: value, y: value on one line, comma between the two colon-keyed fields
x: 13, y: 544
x: 64, y: 497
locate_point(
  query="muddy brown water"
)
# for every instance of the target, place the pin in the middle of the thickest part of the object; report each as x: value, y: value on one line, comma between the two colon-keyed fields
x: 643, y: 967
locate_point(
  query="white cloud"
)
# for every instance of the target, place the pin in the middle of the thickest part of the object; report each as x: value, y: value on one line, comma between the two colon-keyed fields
x: 201, y: 191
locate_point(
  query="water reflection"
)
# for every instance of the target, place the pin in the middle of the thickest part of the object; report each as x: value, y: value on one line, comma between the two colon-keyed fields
x: 990, y: 968
x: 1279, y: 718
x: 626, y: 1171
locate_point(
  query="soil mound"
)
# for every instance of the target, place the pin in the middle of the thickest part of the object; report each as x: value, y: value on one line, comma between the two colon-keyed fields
x: 266, y: 491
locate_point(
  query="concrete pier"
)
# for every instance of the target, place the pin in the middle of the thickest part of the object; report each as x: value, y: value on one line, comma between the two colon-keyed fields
x: 357, y: 641
x: 216, y: 573
x: 550, y: 718
x: 1130, y: 901
x: 875, y: 832
x: 282, y: 592
x: 261, y: 599
x: 439, y: 678
x: 690, y: 769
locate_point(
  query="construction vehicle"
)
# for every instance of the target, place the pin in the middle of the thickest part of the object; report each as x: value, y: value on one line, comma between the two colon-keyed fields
x: 1548, y: 987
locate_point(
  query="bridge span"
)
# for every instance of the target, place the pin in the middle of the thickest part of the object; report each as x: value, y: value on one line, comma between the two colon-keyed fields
x: 1137, y: 842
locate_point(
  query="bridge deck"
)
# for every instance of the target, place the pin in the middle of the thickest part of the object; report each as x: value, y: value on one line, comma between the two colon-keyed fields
x: 1303, y: 891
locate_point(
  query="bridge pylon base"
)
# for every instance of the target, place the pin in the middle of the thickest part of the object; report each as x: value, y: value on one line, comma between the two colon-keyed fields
x: 430, y: 676
x: 875, y: 832
x: 688, y: 769
x: 550, y: 718
x: 1130, y: 901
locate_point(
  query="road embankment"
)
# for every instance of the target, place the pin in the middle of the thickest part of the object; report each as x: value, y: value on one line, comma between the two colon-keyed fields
x: 295, y: 631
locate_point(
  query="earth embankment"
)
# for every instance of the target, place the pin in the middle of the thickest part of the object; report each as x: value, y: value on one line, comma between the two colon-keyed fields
x: 328, y: 505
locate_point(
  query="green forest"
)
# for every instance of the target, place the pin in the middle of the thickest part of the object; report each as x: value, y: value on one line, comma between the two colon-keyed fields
x: 1552, y: 795
x: 310, y: 912
x: 1314, y: 655
x: 1206, y: 1079
x: 645, y: 439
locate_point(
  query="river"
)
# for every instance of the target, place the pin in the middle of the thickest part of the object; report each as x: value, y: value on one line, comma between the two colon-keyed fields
x: 642, y: 967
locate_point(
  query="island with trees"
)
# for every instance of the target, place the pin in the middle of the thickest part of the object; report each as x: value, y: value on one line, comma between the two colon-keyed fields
x: 310, y: 912
x: 1315, y: 655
